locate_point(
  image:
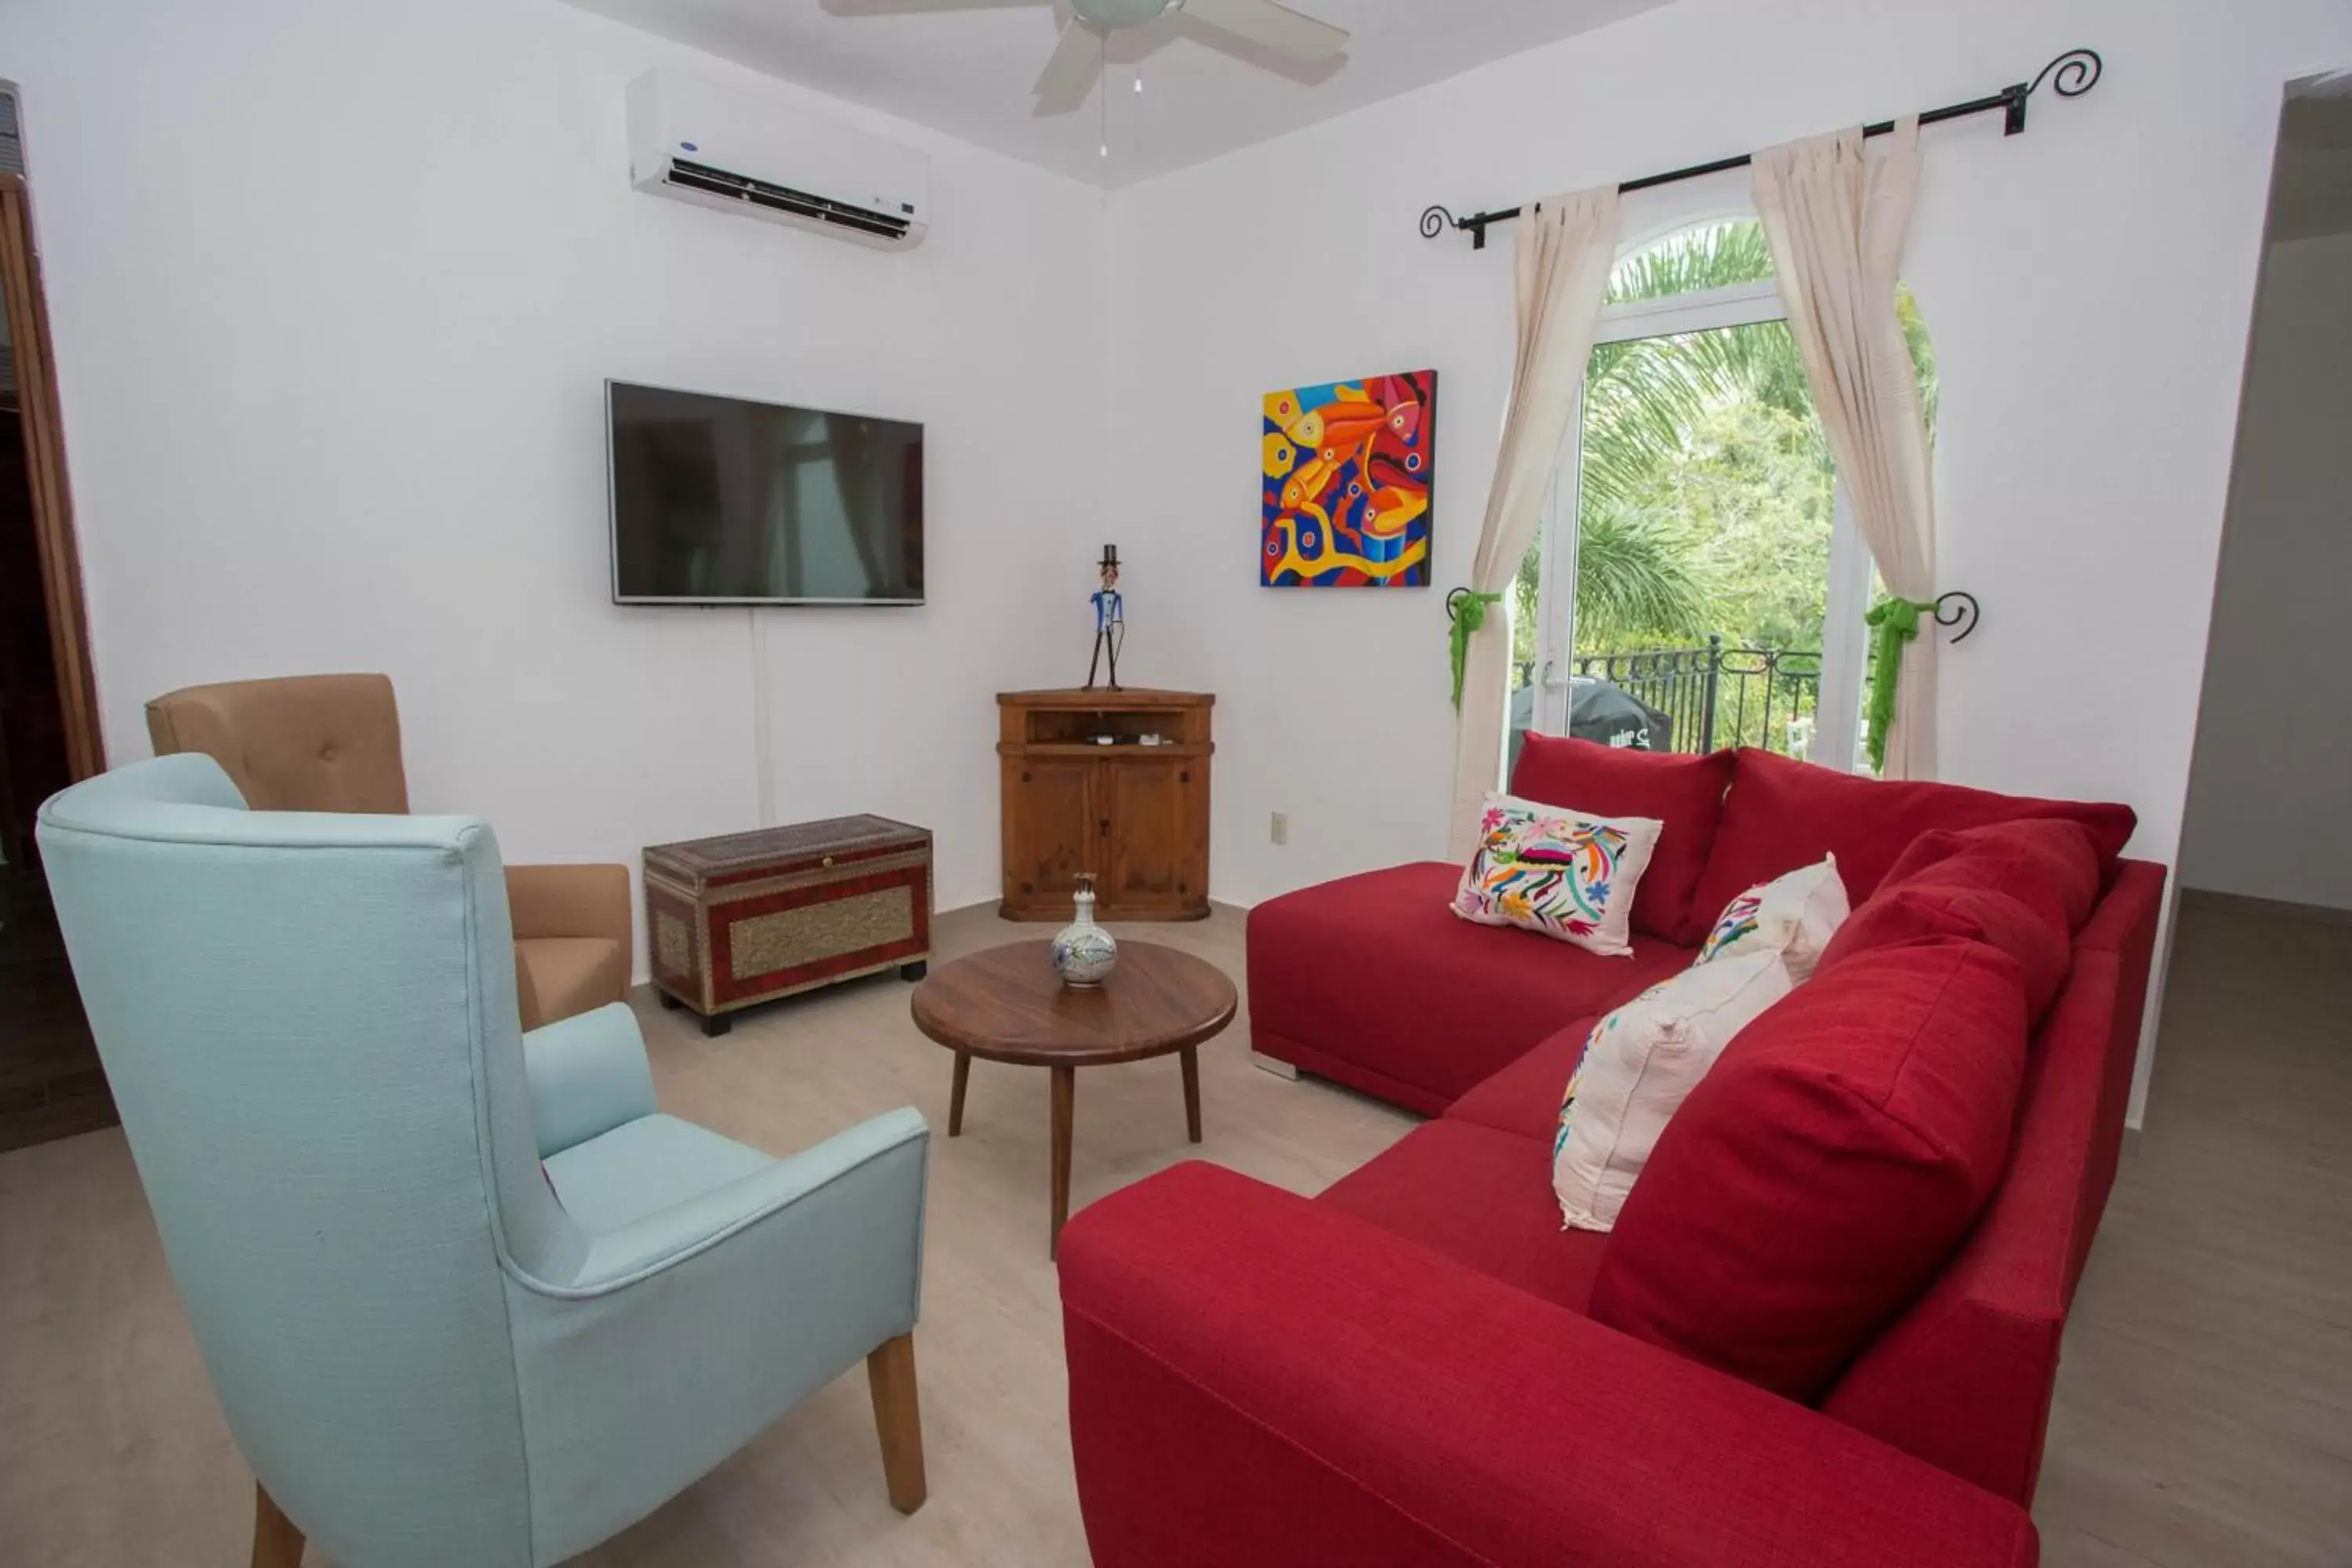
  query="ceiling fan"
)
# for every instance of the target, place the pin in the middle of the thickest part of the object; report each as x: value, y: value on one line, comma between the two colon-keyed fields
x: 1077, y: 59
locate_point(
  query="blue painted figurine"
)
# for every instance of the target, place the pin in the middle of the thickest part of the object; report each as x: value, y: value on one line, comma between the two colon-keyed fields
x: 1110, y: 620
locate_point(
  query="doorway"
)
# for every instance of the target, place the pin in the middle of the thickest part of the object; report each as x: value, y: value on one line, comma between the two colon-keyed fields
x: 51, y: 1082
x: 2266, y: 828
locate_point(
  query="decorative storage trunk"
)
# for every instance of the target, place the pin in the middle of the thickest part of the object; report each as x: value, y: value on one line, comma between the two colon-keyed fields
x: 748, y: 918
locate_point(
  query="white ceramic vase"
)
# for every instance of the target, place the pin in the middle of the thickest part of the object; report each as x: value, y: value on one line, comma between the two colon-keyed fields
x: 1082, y: 952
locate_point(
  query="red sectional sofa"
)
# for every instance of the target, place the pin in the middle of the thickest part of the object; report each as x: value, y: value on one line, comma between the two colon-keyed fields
x: 1779, y: 1356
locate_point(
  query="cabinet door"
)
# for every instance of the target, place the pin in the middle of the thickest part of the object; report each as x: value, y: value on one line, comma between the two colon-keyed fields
x: 1148, y: 863
x: 1050, y: 827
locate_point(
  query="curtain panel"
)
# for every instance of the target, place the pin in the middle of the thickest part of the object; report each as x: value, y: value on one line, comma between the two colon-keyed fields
x: 1837, y: 217
x: 1563, y: 252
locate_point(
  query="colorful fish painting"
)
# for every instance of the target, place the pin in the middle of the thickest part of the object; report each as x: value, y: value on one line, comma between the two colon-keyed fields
x: 1347, y: 484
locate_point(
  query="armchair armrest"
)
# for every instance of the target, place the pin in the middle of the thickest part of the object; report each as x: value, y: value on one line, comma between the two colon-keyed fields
x: 1320, y: 1392
x: 588, y: 1075
x: 684, y: 1334
x: 850, y: 1163
x: 570, y: 901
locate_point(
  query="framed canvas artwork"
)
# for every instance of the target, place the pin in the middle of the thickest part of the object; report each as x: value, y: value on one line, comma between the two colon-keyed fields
x: 1348, y: 475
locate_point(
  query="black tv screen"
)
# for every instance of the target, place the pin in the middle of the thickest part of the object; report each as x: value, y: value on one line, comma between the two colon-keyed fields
x: 717, y: 500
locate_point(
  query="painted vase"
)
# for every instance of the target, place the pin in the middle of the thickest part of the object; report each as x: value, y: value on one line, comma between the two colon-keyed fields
x: 1083, y: 953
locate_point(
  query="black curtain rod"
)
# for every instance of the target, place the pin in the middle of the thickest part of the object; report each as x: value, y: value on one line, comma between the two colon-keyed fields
x: 2077, y: 70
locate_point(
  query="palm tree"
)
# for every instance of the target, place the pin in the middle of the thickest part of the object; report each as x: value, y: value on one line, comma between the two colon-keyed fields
x: 1636, y: 575
x: 1636, y: 580
x: 1641, y: 398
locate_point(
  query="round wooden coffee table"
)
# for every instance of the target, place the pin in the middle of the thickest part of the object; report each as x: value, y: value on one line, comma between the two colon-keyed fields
x: 1006, y: 1004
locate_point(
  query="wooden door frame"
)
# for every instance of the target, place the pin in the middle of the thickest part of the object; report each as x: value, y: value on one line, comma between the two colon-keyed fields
x: 45, y: 466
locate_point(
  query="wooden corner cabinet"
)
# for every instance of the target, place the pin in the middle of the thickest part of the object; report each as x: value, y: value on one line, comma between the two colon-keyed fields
x: 1111, y: 785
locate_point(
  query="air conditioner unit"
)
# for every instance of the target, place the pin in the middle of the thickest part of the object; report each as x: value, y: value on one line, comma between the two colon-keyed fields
x: 728, y: 148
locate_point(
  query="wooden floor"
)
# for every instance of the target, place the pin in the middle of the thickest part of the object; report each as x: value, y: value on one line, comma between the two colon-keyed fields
x: 2204, y: 1413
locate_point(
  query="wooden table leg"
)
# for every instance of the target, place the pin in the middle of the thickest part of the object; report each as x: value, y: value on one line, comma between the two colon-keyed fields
x: 1065, y: 1087
x: 955, y: 1095
x: 1192, y: 1059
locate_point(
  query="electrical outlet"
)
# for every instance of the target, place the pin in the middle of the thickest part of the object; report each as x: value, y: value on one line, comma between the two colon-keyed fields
x: 1281, y: 827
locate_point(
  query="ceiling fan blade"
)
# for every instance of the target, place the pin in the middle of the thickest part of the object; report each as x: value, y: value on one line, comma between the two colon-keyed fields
x: 1077, y: 59
x: 919, y: 7
x: 1277, y: 27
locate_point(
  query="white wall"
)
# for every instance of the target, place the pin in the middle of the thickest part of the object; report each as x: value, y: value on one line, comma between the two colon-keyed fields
x: 335, y: 289
x: 2270, y: 814
x: 2087, y: 285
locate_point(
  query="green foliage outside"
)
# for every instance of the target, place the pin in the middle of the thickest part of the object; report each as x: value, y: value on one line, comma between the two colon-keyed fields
x: 1707, y: 485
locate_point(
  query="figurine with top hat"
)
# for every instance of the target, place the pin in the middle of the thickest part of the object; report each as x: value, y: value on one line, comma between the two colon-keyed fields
x: 1110, y: 620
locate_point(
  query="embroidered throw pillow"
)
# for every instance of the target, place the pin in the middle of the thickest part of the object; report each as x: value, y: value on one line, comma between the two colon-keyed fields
x: 1564, y: 873
x: 1794, y: 916
x: 1641, y: 1063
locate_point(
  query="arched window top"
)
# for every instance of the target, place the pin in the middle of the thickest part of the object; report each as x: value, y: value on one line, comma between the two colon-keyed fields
x: 1714, y: 271
x: 1721, y: 252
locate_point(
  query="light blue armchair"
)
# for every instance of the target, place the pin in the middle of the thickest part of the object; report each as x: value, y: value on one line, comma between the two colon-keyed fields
x: 466, y: 1296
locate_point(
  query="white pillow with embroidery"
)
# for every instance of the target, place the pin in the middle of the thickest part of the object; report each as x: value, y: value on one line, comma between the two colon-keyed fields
x: 1794, y: 916
x: 1566, y: 874
x: 1640, y: 1065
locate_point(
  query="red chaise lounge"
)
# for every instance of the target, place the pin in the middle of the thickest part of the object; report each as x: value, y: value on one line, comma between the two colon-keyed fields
x: 1422, y: 1366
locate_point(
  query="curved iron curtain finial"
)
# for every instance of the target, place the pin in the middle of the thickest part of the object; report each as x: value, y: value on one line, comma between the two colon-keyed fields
x: 1435, y: 221
x: 2077, y: 71
x: 1962, y: 614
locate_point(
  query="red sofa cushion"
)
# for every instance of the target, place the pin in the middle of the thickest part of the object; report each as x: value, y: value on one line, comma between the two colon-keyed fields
x: 1782, y: 814
x: 1376, y: 972
x: 1908, y: 914
x: 2023, y: 887
x: 2052, y: 866
x: 1481, y: 1197
x: 1820, y: 1177
x: 1684, y: 792
x: 1963, y: 1379
x: 1523, y: 1097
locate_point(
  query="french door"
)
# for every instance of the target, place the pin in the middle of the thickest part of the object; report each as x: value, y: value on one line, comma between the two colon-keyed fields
x: 1702, y: 478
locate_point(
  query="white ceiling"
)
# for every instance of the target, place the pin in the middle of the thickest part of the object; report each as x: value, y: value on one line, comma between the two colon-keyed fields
x: 965, y: 66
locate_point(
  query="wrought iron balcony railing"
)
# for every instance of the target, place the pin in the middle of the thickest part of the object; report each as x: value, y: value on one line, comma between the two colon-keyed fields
x: 1714, y: 697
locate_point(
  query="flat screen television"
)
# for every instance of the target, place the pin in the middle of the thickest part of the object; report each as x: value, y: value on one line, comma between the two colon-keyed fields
x: 717, y: 500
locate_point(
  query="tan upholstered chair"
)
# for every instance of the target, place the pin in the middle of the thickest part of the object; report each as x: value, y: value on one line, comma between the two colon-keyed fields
x: 332, y: 742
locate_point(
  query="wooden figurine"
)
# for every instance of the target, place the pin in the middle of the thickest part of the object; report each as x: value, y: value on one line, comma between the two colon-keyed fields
x: 1110, y: 620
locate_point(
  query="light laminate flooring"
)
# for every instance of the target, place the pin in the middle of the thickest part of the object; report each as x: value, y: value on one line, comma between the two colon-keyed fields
x: 2204, y: 1413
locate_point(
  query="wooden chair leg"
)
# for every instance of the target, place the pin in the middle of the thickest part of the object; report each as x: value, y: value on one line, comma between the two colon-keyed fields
x: 276, y: 1543
x: 898, y: 1417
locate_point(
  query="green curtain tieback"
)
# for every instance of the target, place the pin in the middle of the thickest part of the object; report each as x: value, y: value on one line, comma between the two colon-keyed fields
x: 1467, y: 608
x: 1892, y: 622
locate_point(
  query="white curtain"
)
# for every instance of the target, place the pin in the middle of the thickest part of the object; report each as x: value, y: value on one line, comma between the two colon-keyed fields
x: 1564, y: 251
x: 1836, y: 216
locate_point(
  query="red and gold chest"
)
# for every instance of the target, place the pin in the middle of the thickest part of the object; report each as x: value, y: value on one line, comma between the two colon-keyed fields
x: 751, y: 917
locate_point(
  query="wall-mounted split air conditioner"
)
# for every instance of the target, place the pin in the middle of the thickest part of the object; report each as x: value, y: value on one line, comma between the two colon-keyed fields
x: 728, y: 148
